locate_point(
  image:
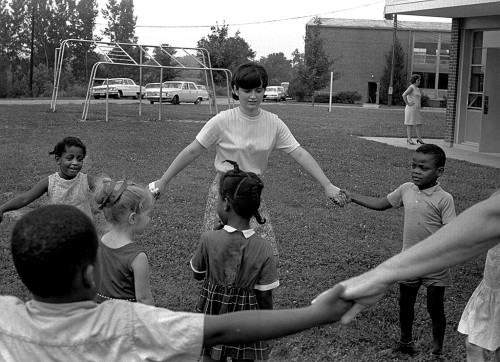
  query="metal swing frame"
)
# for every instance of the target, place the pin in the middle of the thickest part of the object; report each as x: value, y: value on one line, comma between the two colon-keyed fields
x: 115, y: 53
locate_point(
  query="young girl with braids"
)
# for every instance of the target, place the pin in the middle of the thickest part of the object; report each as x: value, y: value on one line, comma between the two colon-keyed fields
x: 237, y: 265
x: 124, y: 266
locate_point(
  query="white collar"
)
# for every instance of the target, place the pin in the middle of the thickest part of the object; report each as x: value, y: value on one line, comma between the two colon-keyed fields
x: 246, y: 233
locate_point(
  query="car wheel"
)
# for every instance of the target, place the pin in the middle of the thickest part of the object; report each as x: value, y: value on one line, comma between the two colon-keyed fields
x: 136, y: 96
x: 119, y: 95
x: 97, y: 97
x: 152, y: 102
x: 198, y: 100
x: 175, y: 100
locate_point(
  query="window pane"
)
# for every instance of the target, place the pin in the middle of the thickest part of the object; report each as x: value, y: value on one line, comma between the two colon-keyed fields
x: 443, y: 81
x: 475, y: 101
x: 477, y: 79
x: 477, y: 42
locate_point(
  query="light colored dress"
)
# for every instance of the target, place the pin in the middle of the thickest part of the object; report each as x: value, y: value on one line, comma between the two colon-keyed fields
x: 73, y: 192
x: 412, y: 113
x: 481, y: 316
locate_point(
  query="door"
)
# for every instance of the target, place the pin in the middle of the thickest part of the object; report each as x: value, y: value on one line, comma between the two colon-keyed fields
x: 490, y: 123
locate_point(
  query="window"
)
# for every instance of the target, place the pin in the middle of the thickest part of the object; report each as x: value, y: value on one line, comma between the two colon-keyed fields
x: 476, y: 81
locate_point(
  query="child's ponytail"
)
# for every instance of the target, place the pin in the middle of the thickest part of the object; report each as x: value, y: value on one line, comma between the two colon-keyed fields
x: 243, y: 190
x: 117, y: 198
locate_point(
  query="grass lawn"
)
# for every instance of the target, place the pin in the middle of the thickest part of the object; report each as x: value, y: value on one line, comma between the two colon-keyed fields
x: 321, y: 244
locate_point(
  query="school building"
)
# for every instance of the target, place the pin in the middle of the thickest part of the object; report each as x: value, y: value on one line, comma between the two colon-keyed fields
x: 360, y: 47
x: 473, y: 102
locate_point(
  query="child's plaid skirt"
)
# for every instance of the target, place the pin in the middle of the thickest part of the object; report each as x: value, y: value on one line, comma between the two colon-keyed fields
x: 216, y: 299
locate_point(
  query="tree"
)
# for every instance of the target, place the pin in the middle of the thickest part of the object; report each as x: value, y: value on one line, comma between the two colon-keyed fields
x: 399, y: 75
x: 313, y: 73
x: 82, y: 56
x: 278, y: 68
x: 121, y: 21
x: 225, y: 52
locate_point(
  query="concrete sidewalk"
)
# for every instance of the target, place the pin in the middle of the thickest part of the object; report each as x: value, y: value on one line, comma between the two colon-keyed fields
x: 486, y: 159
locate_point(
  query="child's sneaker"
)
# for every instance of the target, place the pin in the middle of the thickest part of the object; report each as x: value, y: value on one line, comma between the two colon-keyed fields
x: 405, y: 348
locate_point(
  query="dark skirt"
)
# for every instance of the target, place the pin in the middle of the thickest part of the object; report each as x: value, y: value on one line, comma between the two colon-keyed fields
x: 216, y: 299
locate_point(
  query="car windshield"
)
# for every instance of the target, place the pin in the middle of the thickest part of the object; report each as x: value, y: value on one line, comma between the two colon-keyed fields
x: 152, y: 85
x: 172, y: 85
x: 271, y: 89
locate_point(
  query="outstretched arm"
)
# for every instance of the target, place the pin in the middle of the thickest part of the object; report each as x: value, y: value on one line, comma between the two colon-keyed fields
x: 249, y: 326
x: 474, y: 231
x: 184, y: 158
x: 374, y: 203
x: 24, y: 199
x: 304, y: 159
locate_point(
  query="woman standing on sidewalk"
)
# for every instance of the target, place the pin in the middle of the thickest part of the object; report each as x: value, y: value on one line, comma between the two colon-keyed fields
x: 413, y: 117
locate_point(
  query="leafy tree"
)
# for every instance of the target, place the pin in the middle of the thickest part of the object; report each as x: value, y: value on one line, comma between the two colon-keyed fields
x: 82, y: 55
x: 399, y: 75
x: 225, y: 52
x: 19, y: 26
x: 121, y: 21
x: 278, y: 68
x: 313, y: 73
x: 52, y: 20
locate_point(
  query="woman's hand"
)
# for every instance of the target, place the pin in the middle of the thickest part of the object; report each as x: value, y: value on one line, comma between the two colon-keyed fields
x: 333, y: 193
x: 364, y: 291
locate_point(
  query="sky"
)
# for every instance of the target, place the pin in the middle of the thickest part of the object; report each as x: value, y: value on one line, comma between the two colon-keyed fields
x: 267, y: 26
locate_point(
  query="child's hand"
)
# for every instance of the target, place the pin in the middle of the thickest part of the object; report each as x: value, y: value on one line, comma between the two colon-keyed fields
x: 330, y: 303
x: 346, y: 195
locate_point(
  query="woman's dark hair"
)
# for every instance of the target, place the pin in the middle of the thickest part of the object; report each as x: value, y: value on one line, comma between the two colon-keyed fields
x: 68, y: 142
x: 414, y: 78
x: 249, y: 76
x: 242, y: 189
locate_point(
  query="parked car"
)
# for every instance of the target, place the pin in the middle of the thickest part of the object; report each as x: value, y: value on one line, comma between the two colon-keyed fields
x: 117, y: 88
x: 152, y: 92
x: 274, y: 93
x: 176, y: 92
x: 203, y: 92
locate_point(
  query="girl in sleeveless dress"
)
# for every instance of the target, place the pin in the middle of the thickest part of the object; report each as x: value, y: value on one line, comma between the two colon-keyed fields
x: 237, y: 265
x: 124, y: 266
x: 480, y: 320
x: 68, y: 186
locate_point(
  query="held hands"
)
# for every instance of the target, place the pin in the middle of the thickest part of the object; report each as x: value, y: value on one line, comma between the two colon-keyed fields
x: 364, y: 291
x: 157, y: 188
x: 346, y: 195
x: 333, y: 193
x: 330, y: 304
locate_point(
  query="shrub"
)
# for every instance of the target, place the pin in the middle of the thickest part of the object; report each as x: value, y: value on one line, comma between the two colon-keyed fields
x: 424, y: 100
x: 349, y: 97
x: 346, y: 97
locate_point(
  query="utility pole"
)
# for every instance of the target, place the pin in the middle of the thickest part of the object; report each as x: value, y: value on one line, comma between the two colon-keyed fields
x: 32, y: 44
x: 391, y: 78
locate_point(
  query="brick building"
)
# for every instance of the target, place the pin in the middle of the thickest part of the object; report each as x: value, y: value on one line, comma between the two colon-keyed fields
x: 473, y: 103
x: 360, y: 46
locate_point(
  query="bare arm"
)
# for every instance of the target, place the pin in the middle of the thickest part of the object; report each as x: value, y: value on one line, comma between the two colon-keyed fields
x: 242, y: 327
x: 183, y: 159
x: 374, y: 203
x: 140, y: 267
x: 306, y: 161
x: 24, y: 199
x: 474, y: 231
x: 406, y: 93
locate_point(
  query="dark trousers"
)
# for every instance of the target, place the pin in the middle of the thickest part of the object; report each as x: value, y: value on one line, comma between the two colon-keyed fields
x: 435, y: 307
